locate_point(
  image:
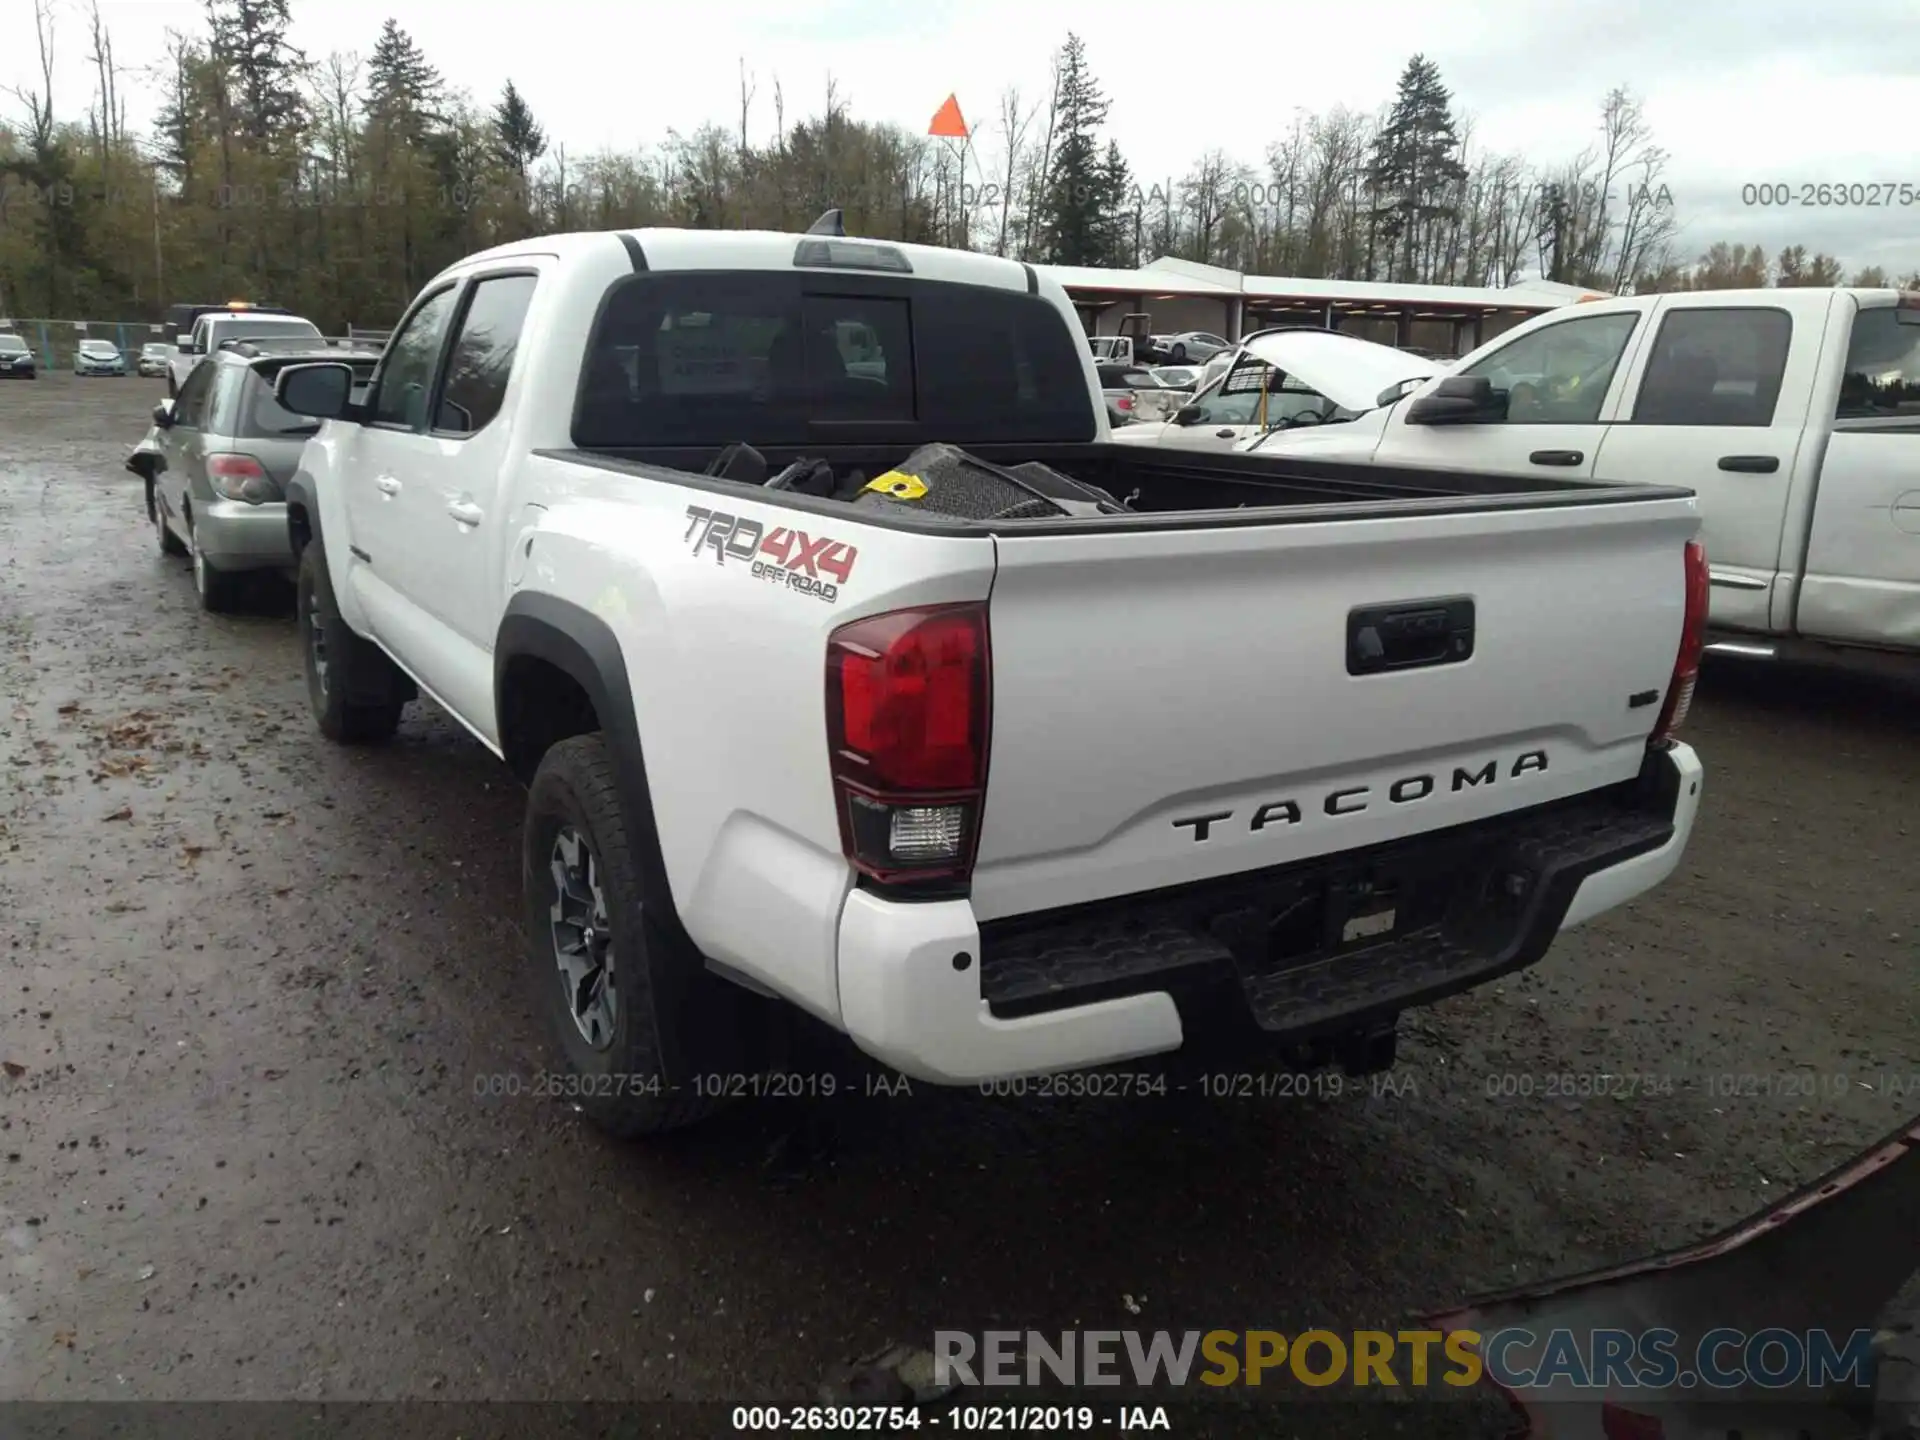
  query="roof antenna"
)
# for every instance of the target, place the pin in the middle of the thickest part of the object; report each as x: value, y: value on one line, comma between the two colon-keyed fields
x: 831, y: 223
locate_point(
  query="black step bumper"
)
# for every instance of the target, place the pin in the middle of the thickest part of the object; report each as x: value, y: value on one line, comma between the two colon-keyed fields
x: 1342, y: 942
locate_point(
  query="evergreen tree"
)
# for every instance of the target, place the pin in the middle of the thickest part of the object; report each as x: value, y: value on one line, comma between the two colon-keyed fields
x: 517, y: 140
x: 404, y: 91
x: 1414, y: 173
x: 1117, y: 214
x: 1795, y: 267
x: 1075, y: 220
x: 249, y: 38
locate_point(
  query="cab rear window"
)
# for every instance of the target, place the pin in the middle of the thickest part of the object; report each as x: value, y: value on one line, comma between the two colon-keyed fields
x: 679, y: 360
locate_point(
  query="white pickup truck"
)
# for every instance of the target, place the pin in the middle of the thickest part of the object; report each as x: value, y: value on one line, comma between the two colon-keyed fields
x: 214, y: 328
x: 1794, y: 414
x: 995, y: 775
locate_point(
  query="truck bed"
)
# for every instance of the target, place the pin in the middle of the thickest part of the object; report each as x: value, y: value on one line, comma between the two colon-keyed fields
x: 1170, y: 490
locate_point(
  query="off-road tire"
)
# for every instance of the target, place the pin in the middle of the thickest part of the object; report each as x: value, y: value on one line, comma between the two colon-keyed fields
x: 624, y: 1088
x: 357, y: 696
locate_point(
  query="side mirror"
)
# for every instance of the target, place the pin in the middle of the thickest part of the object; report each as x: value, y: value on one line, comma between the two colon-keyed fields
x: 1187, y: 415
x: 163, y: 414
x: 1458, y: 400
x: 184, y: 344
x: 320, y: 391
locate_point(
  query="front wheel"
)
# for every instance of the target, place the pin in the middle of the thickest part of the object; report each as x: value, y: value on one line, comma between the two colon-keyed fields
x: 1179, y: 354
x: 355, y: 692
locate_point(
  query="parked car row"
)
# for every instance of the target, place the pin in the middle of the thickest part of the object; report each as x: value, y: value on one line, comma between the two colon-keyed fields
x: 1195, y: 346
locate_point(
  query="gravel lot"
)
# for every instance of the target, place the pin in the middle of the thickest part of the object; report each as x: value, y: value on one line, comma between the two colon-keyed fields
x: 254, y: 987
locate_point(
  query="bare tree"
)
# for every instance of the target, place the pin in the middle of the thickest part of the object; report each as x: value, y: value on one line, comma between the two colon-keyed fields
x: 747, y: 90
x: 1041, y: 164
x: 39, y: 103
x: 107, y: 116
x: 1015, y: 121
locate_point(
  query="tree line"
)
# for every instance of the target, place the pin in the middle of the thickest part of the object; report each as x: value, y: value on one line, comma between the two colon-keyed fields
x: 338, y: 185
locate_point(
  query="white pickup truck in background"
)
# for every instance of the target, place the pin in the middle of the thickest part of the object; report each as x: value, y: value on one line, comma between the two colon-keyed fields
x: 1794, y: 414
x: 950, y: 749
x: 213, y: 329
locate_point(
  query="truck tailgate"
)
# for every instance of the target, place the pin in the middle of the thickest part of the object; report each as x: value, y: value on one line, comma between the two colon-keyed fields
x: 1179, y: 704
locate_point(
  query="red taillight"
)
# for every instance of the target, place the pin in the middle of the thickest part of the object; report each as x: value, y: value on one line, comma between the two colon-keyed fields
x: 1693, y: 640
x: 907, y: 697
x: 239, y: 477
x: 1123, y: 402
x: 238, y: 467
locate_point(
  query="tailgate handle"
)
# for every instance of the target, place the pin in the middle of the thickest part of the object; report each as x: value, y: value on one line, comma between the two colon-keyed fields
x: 1556, y: 457
x: 1409, y: 635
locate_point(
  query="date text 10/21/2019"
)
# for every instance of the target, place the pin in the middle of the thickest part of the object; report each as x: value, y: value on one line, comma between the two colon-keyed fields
x: 1324, y: 1085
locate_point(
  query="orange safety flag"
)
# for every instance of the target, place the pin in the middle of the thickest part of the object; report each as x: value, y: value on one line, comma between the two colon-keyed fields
x: 947, y: 121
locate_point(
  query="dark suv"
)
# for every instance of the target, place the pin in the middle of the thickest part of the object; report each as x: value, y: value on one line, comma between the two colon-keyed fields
x: 218, y: 457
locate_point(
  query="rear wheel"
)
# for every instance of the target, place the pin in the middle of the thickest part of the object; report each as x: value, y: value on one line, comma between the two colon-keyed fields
x: 602, y: 957
x: 355, y: 692
x: 219, y: 590
x: 169, y: 542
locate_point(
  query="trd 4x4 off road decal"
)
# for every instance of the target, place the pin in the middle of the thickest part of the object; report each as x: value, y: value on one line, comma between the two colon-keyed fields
x: 812, y: 565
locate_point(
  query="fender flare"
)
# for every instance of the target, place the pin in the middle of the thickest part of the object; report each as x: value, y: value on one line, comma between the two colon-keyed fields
x: 584, y: 647
x: 299, y: 492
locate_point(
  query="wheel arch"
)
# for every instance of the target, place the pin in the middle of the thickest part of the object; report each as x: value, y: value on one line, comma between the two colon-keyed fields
x: 538, y: 636
x: 564, y: 637
x: 303, y: 514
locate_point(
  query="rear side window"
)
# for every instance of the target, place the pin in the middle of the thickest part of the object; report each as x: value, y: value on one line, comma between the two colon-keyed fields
x: 261, y: 417
x: 1883, y: 371
x: 223, y: 399
x: 1715, y: 367
x: 483, y: 351
x: 697, y: 360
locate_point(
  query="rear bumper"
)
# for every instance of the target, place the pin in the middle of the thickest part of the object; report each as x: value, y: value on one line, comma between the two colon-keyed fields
x: 928, y: 991
x: 234, y: 535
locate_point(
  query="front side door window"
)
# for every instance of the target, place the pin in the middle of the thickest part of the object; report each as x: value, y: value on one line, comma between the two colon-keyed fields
x: 405, y: 380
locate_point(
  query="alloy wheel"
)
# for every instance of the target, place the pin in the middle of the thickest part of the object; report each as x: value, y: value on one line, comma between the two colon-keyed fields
x: 583, y: 937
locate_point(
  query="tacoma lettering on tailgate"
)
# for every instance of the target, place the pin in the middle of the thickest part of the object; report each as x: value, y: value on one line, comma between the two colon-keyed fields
x: 811, y: 565
x: 1355, y: 798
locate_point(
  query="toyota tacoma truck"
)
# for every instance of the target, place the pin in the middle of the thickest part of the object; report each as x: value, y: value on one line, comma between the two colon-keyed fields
x: 899, y: 694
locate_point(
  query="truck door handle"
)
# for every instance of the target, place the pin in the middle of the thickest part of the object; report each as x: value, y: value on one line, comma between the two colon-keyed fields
x: 1751, y: 464
x: 387, y: 485
x: 466, y: 512
x: 1556, y: 457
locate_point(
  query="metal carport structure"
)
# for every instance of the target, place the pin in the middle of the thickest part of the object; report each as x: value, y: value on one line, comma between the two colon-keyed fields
x: 1183, y: 295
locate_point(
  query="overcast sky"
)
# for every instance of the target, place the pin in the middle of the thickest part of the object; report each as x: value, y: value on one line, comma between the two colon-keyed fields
x: 1736, y: 95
